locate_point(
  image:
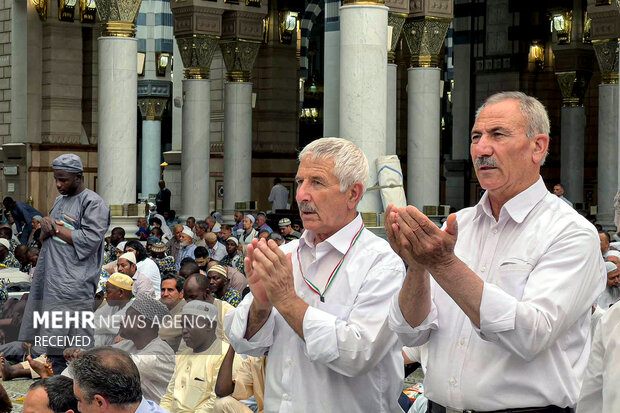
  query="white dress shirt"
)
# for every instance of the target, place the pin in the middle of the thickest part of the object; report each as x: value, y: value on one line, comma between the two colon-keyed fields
x: 600, y: 392
x: 278, y: 197
x: 542, y: 270
x: 218, y: 252
x: 350, y: 361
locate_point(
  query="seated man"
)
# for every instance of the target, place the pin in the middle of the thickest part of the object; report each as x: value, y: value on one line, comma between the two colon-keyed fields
x: 164, y: 262
x: 192, y: 388
x: 108, y: 317
x: 233, y: 258
x: 107, y: 380
x: 197, y: 288
x: 202, y: 258
x: 217, y: 250
x: 127, y: 265
x: 153, y: 356
x: 52, y: 395
x: 6, y: 256
x: 220, y: 286
x: 172, y: 297
x: 237, y: 280
x: 249, y: 381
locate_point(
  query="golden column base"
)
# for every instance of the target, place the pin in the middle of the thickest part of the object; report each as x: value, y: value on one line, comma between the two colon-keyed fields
x: 238, y: 76
x: 118, y: 29
x: 196, y: 73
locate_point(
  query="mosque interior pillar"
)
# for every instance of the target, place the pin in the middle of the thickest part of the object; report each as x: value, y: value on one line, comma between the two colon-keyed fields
x: 117, y: 60
x: 363, y: 85
x: 425, y: 35
x: 239, y: 55
x: 197, y: 52
x: 395, y: 22
x: 152, y: 109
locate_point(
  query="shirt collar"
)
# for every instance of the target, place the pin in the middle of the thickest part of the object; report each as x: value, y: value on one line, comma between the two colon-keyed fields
x: 520, y: 205
x: 341, y: 240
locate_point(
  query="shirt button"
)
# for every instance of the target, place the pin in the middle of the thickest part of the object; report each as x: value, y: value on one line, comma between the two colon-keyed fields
x: 462, y: 341
x: 483, y: 269
x: 452, y: 381
x: 286, y: 397
x: 495, y: 231
x: 302, y: 295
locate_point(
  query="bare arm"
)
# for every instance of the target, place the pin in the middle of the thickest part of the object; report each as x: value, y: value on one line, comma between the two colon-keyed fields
x: 257, y: 318
x: 225, y: 385
x: 414, y: 299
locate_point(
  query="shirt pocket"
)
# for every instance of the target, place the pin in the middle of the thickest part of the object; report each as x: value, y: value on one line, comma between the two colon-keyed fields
x: 512, y: 275
x: 339, y: 310
x: 195, y: 392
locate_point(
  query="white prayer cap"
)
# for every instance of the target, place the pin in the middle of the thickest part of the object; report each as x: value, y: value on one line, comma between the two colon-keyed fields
x: 121, y: 245
x: 5, y: 243
x: 200, y: 308
x: 613, y: 253
x: 610, y: 266
x: 188, y: 231
x: 129, y: 256
x: 251, y: 218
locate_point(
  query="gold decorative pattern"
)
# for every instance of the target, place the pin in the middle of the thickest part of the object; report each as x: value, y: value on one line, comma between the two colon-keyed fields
x: 607, y: 56
x: 239, y: 56
x: 396, y: 21
x: 573, y: 86
x: 443, y: 9
x: 118, y: 17
x: 425, y: 37
x: 197, y: 53
x: 369, y: 2
x: 152, y: 108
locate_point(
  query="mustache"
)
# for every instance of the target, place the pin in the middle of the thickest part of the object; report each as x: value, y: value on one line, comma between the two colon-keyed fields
x: 485, y: 161
x: 306, y: 207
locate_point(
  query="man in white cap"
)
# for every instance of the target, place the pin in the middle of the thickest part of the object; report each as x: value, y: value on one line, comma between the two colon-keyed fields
x: 611, y: 293
x: 192, y: 387
x: 186, y: 238
x: 141, y: 283
x: 6, y: 256
x: 248, y: 233
x: 287, y: 231
x: 67, y: 272
x: 108, y: 317
x: 233, y: 258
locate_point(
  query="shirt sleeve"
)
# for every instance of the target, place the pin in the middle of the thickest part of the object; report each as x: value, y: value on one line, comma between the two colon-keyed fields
x: 591, y: 397
x: 244, y: 382
x: 93, y: 226
x: 560, y: 289
x: 412, y: 336
x: 235, y: 325
x: 353, y: 344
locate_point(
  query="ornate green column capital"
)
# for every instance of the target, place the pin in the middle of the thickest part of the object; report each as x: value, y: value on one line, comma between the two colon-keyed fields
x: 607, y: 56
x: 239, y: 56
x: 425, y: 36
x: 396, y: 21
x: 197, y: 52
x: 573, y: 85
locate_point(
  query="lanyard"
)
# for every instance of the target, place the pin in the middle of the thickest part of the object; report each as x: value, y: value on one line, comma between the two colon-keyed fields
x: 332, y: 276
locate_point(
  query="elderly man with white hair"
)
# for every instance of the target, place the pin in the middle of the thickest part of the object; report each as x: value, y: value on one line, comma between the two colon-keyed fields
x: 318, y: 304
x: 503, y: 299
x: 186, y: 238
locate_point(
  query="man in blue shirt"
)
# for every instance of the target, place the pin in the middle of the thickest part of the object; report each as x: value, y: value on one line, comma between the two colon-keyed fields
x: 22, y: 214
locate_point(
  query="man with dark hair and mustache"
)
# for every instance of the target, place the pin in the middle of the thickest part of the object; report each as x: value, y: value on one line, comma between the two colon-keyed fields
x: 503, y: 300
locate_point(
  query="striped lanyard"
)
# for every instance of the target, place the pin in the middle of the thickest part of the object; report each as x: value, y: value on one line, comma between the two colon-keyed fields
x: 332, y: 276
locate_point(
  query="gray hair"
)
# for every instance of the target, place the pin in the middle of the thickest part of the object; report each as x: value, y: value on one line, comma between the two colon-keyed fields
x: 203, y: 225
x: 350, y: 163
x: 534, y: 112
x: 110, y: 373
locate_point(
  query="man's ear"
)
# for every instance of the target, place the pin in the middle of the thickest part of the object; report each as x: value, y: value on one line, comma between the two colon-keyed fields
x: 355, y: 192
x: 100, y: 400
x: 541, y: 146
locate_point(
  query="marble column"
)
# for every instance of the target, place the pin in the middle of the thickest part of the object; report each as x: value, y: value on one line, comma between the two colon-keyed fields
x: 363, y: 85
x: 152, y: 110
x: 239, y: 57
x: 573, y: 85
x: 118, y: 98
x: 608, y: 100
x: 396, y: 22
x: 197, y: 53
x: 331, y: 66
x: 424, y: 37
